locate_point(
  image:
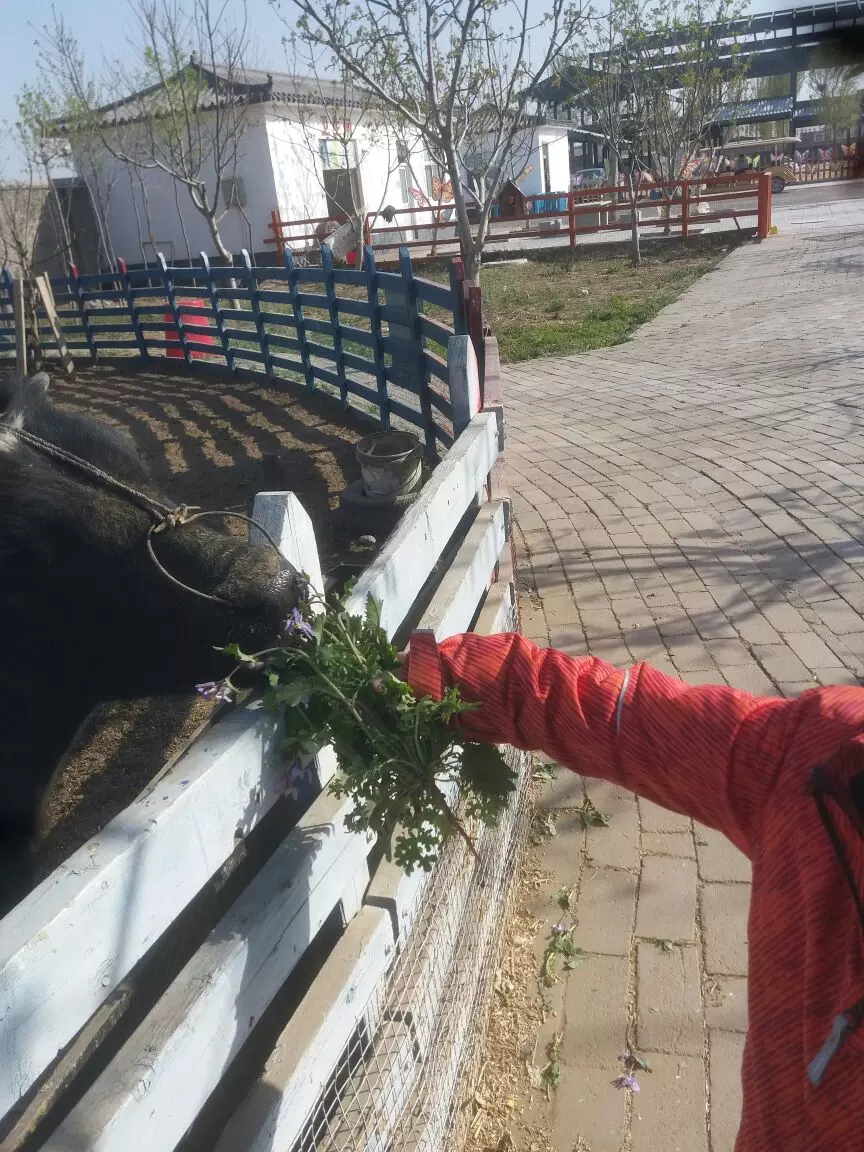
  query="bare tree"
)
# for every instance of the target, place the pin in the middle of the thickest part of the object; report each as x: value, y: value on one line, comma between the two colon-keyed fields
x: 684, y: 89
x: 615, y: 102
x: 839, y: 100
x: 456, y: 74
x: 34, y: 225
x: 178, y: 102
x: 655, y: 80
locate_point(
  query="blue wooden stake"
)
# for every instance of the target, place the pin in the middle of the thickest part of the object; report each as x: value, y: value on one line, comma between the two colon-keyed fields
x: 216, y: 305
x: 333, y: 306
x: 133, y: 311
x: 171, y: 296
x: 419, y: 341
x: 252, y: 285
x: 378, y: 346
x: 293, y: 284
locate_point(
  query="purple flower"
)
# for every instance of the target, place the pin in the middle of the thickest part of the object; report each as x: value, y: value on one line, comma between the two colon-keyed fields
x: 559, y: 929
x: 297, y: 625
x: 627, y: 1081
x: 215, y: 690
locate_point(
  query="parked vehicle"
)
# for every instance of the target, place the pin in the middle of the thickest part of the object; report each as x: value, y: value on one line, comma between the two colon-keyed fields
x: 589, y: 178
x: 773, y: 156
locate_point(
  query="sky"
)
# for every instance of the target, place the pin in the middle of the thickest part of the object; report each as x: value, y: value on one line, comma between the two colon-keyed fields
x: 103, y: 29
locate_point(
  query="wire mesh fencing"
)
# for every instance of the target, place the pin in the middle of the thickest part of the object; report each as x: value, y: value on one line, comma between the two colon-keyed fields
x: 402, y: 1077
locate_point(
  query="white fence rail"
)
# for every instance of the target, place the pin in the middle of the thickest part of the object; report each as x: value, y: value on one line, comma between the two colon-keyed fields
x: 68, y: 946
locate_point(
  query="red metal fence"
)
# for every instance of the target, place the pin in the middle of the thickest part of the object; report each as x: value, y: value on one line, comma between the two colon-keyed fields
x: 677, y: 207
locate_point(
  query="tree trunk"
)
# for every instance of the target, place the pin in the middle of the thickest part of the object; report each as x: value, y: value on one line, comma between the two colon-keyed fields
x: 635, y: 248
x: 470, y: 257
x: 471, y: 261
x: 227, y: 256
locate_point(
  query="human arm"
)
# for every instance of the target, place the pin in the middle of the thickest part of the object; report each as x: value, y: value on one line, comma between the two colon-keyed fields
x: 710, y: 752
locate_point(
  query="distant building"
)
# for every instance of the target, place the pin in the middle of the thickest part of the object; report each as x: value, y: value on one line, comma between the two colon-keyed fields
x: 310, y: 149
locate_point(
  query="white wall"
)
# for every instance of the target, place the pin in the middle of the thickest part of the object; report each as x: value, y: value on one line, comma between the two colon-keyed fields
x: 147, y: 211
x: 559, y: 162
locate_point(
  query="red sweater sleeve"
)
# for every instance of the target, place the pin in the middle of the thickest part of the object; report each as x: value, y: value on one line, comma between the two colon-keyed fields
x: 709, y: 752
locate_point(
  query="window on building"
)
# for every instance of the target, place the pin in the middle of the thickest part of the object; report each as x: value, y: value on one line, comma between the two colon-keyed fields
x: 403, y: 184
x: 337, y: 154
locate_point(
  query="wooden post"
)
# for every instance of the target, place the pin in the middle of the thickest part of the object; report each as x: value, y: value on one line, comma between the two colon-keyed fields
x: 293, y: 284
x: 685, y: 209
x: 75, y: 282
x: 43, y: 288
x: 288, y: 522
x: 255, y: 304
x: 276, y: 229
x: 133, y: 311
x: 475, y: 322
x: 464, y: 381
x: 378, y: 346
x: 763, y: 218
x: 20, y: 327
x: 168, y: 281
x: 333, y: 309
x: 571, y: 216
x: 216, y: 305
x: 418, y: 340
x: 457, y: 280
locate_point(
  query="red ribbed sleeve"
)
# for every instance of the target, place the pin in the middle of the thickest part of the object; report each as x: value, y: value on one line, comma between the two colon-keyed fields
x: 709, y: 752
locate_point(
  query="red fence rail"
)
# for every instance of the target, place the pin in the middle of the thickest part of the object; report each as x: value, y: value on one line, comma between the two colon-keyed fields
x: 678, y: 207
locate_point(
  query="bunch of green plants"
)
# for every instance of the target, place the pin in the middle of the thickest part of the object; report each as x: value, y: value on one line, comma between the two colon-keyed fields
x: 336, y: 679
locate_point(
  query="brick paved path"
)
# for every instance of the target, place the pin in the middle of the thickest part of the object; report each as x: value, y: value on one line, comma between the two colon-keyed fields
x: 693, y: 498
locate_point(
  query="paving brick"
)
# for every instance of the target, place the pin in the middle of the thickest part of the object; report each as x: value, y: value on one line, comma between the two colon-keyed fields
x: 689, y: 654
x: 596, y: 1012
x: 669, y: 1115
x: 719, y: 859
x: 590, y: 1113
x: 725, y: 999
x: 813, y: 651
x: 656, y: 818
x: 750, y: 679
x: 618, y: 845
x: 728, y: 653
x: 667, y: 899
x: 781, y: 664
x: 725, y: 1052
x: 564, y: 790
x: 604, y: 915
x: 755, y: 629
x: 724, y: 923
x: 669, y: 996
x: 668, y: 844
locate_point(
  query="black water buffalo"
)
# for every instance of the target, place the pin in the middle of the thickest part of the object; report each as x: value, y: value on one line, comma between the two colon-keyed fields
x: 85, y: 613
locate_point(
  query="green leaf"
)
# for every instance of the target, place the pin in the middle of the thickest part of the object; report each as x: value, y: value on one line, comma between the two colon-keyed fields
x: 235, y: 651
x: 292, y: 693
x: 373, y: 612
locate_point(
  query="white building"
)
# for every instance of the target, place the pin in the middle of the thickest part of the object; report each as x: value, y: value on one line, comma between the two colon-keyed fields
x: 309, y: 150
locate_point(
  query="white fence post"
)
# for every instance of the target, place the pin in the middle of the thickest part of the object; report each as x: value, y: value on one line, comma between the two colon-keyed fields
x: 288, y: 522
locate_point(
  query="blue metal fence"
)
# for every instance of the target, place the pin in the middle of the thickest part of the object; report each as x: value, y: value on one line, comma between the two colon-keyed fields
x: 367, y: 339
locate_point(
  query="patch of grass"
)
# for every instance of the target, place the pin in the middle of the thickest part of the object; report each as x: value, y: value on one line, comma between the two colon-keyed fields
x: 558, y: 308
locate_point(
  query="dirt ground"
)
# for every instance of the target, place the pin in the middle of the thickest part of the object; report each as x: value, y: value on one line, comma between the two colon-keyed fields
x: 211, y: 442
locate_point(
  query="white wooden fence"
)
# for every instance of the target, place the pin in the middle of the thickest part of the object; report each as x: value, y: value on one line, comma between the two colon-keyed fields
x: 377, y: 1026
